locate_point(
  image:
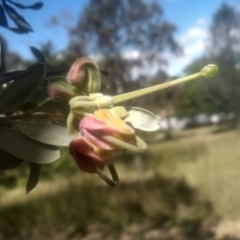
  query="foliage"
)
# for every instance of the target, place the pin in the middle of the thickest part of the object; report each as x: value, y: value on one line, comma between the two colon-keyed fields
x: 114, y: 29
x: 221, y: 93
x: 22, y: 26
x: 156, y: 201
x: 194, y: 98
x: 37, y: 142
x: 224, y: 50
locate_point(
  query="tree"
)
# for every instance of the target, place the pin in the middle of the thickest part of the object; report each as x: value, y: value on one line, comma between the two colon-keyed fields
x: 224, y: 49
x: 198, y: 97
x: 219, y: 94
x: 111, y: 30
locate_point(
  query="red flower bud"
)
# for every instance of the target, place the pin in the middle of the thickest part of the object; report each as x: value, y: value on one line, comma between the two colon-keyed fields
x: 59, y: 89
x: 101, y: 134
x: 88, y: 156
x: 84, y: 75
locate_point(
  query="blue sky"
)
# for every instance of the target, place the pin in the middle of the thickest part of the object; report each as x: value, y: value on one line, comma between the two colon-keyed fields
x: 192, y: 19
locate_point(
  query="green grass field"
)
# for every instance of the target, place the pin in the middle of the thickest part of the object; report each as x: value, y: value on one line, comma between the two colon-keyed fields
x: 185, y: 188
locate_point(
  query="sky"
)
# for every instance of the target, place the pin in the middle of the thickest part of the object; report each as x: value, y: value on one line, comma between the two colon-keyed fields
x: 53, y: 21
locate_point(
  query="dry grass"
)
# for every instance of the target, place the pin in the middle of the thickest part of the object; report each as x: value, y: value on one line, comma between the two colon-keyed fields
x: 209, y: 162
x: 179, y: 188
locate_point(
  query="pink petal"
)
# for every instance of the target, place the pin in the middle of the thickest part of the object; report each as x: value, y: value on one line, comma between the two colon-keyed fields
x: 87, y: 156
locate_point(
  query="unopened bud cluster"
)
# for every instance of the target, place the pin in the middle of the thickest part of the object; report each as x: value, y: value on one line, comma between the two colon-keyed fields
x: 82, y: 78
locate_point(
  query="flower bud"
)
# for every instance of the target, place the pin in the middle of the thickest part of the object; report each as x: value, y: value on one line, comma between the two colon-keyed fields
x: 84, y: 75
x: 59, y: 89
x: 89, y: 156
x: 209, y: 70
x: 109, y: 132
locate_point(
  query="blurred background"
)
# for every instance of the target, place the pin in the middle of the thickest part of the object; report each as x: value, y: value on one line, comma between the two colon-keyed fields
x: 186, y: 186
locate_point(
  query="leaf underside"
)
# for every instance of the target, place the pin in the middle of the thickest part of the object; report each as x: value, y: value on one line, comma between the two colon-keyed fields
x: 47, y: 133
x: 22, y: 147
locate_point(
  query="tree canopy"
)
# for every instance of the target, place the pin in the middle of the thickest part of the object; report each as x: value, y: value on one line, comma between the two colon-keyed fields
x: 116, y: 30
x: 221, y: 93
x: 225, y: 52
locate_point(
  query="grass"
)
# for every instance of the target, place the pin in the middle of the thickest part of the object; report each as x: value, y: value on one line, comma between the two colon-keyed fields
x: 179, y: 186
x: 209, y: 162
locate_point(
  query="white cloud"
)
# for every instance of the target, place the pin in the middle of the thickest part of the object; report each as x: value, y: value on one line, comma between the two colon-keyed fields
x: 195, y: 32
x: 131, y: 54
x: 193, y: 41
x: 194, y: 47
x: 201, y: 21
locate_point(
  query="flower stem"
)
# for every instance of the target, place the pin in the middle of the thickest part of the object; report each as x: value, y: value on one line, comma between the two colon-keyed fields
x: 138, y: 93
x: 111, y: 182
x: 207, y: 71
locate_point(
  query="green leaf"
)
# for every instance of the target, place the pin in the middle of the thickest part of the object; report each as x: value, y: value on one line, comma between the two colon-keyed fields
x: 20, y: 146
x: 18, y: 19
x: 47, y: 133
x: 18, y: 30
x: 34, y: 176
x: 8, y: 161
x: 40, y: 57
x: 14, y: 75
x: 3, y: 19
x: 142, y: 119
x: 39, y: 95
x: 35, y: 6
x: 18, y: 92
x: 3, y: 55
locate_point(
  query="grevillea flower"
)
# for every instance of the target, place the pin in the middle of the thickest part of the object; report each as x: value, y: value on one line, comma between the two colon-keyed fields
x: 99, y: 135
x: 102, y: 128
x: 104, y: 123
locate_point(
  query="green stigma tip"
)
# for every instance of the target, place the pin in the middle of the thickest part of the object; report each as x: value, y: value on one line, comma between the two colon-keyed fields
x: 209, y: 70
